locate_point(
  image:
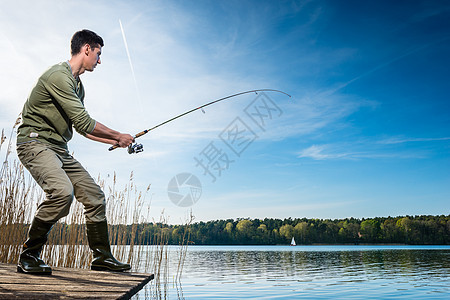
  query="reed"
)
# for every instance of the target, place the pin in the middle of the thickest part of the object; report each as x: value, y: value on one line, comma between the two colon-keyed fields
x: 16, y: 195
x: 183, y: 246
x: 127, y: 214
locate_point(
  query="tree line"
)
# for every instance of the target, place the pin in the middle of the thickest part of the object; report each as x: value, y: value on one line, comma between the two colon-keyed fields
x: 414, y: 230
x: 410, y: 230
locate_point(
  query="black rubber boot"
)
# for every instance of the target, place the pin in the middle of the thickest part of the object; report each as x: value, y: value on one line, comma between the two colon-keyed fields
x: 103, y: 260
x: 29, y: 259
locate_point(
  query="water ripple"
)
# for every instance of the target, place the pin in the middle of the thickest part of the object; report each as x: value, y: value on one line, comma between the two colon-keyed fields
x: 314, y: 273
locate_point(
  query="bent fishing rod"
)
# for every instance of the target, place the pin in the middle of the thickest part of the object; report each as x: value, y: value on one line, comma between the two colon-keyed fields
x: 136, y: 148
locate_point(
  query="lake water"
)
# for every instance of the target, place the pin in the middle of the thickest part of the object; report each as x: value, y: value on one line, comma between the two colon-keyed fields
x: 307, y: 272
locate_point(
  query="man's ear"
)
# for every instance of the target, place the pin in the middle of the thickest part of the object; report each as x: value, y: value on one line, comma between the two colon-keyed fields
x: 86, y: 49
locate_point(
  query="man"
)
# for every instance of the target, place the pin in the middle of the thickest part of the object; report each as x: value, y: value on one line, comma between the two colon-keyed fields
x: 55, y: 105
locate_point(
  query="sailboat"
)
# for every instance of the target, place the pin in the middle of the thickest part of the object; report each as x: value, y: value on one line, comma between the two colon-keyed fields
x: 293, y: 242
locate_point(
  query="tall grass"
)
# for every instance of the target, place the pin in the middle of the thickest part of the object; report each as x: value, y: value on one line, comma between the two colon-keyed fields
x: 67, y: 243
x: 183, y: 247
x: 16, y: 203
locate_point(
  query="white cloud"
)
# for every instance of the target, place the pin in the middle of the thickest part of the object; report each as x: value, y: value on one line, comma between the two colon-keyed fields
x: 317, y: 152
x: 359, y: 150
x: 401, y: 140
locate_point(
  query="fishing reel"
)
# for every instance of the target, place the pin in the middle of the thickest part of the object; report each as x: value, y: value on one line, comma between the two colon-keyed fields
x: 135, y: 148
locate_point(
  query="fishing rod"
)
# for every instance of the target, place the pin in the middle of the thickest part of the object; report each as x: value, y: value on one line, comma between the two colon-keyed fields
x: 136, y: 148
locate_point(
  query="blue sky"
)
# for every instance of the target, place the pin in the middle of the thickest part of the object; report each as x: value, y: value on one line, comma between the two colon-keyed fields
x: 366, y: 133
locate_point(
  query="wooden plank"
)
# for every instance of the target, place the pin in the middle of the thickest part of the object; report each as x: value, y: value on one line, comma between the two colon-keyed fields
x: 67, y: 283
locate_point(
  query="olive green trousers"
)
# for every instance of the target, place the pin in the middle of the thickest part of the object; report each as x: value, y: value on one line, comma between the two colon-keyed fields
x: 61, y: 177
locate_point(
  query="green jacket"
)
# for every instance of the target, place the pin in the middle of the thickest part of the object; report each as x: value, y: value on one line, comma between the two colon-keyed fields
x: 54, y: 106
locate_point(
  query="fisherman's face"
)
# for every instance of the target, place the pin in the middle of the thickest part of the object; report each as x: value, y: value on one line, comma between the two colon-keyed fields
x: 93, y: 57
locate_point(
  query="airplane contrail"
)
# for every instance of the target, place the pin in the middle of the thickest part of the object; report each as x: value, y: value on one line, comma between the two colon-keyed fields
x: 131, y: 66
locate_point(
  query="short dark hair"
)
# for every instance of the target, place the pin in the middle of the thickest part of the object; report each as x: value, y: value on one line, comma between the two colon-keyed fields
x: 83, y: 37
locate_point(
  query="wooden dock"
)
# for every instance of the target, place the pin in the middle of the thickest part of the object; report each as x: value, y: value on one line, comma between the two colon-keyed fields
x: 67, y: 283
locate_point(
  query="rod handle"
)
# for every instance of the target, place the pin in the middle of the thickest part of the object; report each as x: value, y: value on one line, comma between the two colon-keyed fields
x: 113, y: 147
x: 136, y: 136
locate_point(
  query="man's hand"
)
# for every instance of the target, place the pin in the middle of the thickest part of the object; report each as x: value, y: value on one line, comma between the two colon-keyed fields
x: 125, y: 140
x: 106, y: 135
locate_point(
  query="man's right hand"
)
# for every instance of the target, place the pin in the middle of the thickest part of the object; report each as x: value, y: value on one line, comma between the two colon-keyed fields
x: 106, y: 135
x: 125, y: 140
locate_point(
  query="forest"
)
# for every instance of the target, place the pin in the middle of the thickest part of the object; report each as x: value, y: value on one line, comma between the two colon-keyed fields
x: 411, y: 230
